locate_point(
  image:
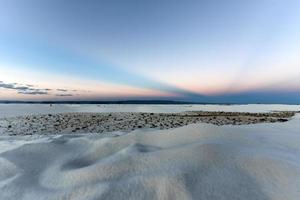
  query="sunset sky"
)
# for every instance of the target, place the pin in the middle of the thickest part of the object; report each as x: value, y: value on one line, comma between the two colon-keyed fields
x: 229, y: 51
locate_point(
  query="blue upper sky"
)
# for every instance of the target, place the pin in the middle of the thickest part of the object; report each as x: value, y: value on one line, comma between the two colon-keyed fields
x: 212, y: 51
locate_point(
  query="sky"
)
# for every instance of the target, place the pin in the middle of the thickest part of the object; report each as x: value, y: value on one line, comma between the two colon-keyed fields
x: 212, y: 51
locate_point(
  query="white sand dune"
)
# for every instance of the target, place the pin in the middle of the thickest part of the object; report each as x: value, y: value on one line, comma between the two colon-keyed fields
x: 194, y: 162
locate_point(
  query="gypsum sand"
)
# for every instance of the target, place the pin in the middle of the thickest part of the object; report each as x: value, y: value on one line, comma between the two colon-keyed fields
x: 64, y: 123
x: 197, y: 161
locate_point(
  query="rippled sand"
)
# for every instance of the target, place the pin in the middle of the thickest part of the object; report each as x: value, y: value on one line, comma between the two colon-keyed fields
x: 199, y: 161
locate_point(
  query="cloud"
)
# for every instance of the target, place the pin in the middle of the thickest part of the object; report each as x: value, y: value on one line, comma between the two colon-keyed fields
x: 64, y: 95
x: 35, y: 92
x: 62, y: 90
x: 7, y: 85
x: 23, y: 89
x: 67, y: 92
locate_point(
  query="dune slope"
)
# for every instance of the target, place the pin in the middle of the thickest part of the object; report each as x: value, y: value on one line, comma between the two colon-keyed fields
x: 198, y: 161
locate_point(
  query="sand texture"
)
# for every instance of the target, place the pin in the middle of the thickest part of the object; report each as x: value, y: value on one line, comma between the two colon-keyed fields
x: 63, y: 123
x: 198, y: 161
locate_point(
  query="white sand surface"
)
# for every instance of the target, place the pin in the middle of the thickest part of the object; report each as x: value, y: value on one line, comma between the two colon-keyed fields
x: 12, y: 110
x: 198, y: 161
